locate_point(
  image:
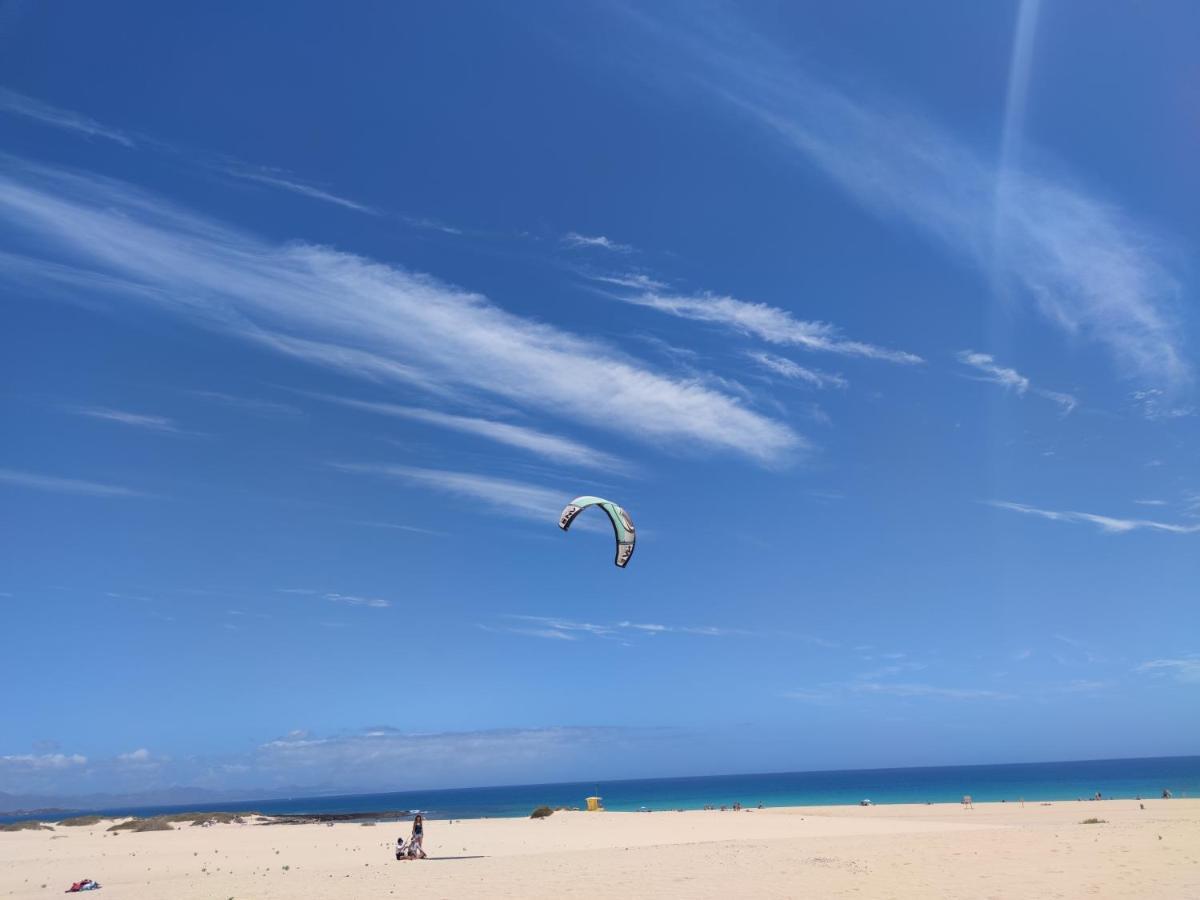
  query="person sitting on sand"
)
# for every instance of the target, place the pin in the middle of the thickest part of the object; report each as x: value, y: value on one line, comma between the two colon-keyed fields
x: 418, y: 834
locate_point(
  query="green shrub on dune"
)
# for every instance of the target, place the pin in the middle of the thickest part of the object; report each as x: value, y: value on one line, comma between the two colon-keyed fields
x: 163, y: 823
x: 541, y: 812
x: 216, y: 818
x: 82, y: 820
x: 156, y: 823
x: 30, y: 825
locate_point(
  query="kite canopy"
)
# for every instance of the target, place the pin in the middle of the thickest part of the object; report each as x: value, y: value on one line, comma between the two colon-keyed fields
x: 621, y: 523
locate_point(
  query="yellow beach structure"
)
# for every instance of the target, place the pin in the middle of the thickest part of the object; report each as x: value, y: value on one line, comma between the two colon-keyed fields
x: 594, y: 804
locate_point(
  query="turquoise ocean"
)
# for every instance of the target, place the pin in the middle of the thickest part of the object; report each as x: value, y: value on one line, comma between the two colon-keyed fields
x: 1113, y: 778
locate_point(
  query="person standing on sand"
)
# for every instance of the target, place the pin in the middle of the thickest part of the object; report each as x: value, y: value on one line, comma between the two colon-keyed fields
x: 418, y: 834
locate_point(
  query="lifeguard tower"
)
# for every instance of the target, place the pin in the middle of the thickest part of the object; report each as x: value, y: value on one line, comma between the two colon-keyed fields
x: 594, y: 804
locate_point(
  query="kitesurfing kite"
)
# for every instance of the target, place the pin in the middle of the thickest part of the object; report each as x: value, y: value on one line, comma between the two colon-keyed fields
x: 621, y: 523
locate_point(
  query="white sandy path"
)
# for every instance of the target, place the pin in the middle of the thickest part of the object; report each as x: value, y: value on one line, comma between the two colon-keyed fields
x: 994, y: 851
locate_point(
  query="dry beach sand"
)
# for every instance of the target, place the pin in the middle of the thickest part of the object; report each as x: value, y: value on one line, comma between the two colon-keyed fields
x: 994, y: 851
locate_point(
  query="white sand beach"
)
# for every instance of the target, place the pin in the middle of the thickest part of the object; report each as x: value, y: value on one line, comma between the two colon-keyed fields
x: 993, y: 851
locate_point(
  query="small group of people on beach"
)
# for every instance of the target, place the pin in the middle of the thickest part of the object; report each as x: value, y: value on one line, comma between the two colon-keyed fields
x: 413, y: 848
x: 736, y: 807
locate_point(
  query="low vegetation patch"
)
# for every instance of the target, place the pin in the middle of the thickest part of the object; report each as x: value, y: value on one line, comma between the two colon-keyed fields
x: 216, y: 818
x: 1094, y: 821
x: 541, y: 812
x: 30, y: 825
x: 82, y: 820
x: 137, y: 826
x: 163, y: 823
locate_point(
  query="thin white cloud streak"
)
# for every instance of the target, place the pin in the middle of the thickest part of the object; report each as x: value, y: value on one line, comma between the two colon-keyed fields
x: 352, y: 600
x: 635, y: 280
x: 575, y: 239
x: 43, y: 761
x: 337, y: 309
x: 124, y: 417
x: 336, y: 597
x: 502, y: 494
x: 286, y: 182
x: 837, y: 692
x: 276, y: 179
x: 1010, y: 378
x: 19, y: 104
x: 1156, y: 405
x: 1087, y: 266
x: 52, y: 483
x: 65, y: 119
x: 542, y: 633
x: 767, y: 323
x: 250, y: 404
x: 396, y: 526
x: 1186, y: 670
x: 781, y: 365
x: 911, y: 689
x: 548, y: 446
x: 554, y: 628
x: 1107, y: 524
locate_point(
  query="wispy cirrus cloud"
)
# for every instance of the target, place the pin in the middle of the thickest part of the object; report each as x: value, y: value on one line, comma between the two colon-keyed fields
x: 249, y: 404
x: 548, y: 446
x: 767, y: 323
x: 354, y: 600
x: 838, y: 691
x: 336, y: 309
x: 503, y: 494
x: 1108, y: 524
x: 282, y: 180
x: 575, y: 239
x: 1186, y: 669
x: 917, y: 689
x: 1004, y: 376
x: 286, y: 181
x: 560, y: 629
x: 336, y: 597
x: 68, y: 120
x: 1159, y: 405
x: 125, y: 417
x: 637, y: 280
x: 40, y: 482
x: 781, y: 365
x: 32, y: 761
x: 21, y: 105
x: 1084, y: 264
x: 399, y: 526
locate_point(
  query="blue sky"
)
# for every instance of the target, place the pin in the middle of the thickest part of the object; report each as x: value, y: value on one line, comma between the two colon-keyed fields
x: 879, y: 321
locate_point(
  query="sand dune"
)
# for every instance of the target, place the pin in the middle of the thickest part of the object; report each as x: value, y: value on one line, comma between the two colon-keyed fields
x: 994, y: 851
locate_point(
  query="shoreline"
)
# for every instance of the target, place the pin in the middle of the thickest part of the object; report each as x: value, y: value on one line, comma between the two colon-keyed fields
x: 254, y: 808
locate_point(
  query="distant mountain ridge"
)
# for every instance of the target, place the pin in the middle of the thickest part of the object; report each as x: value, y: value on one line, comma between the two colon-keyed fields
x: 171, y: 796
